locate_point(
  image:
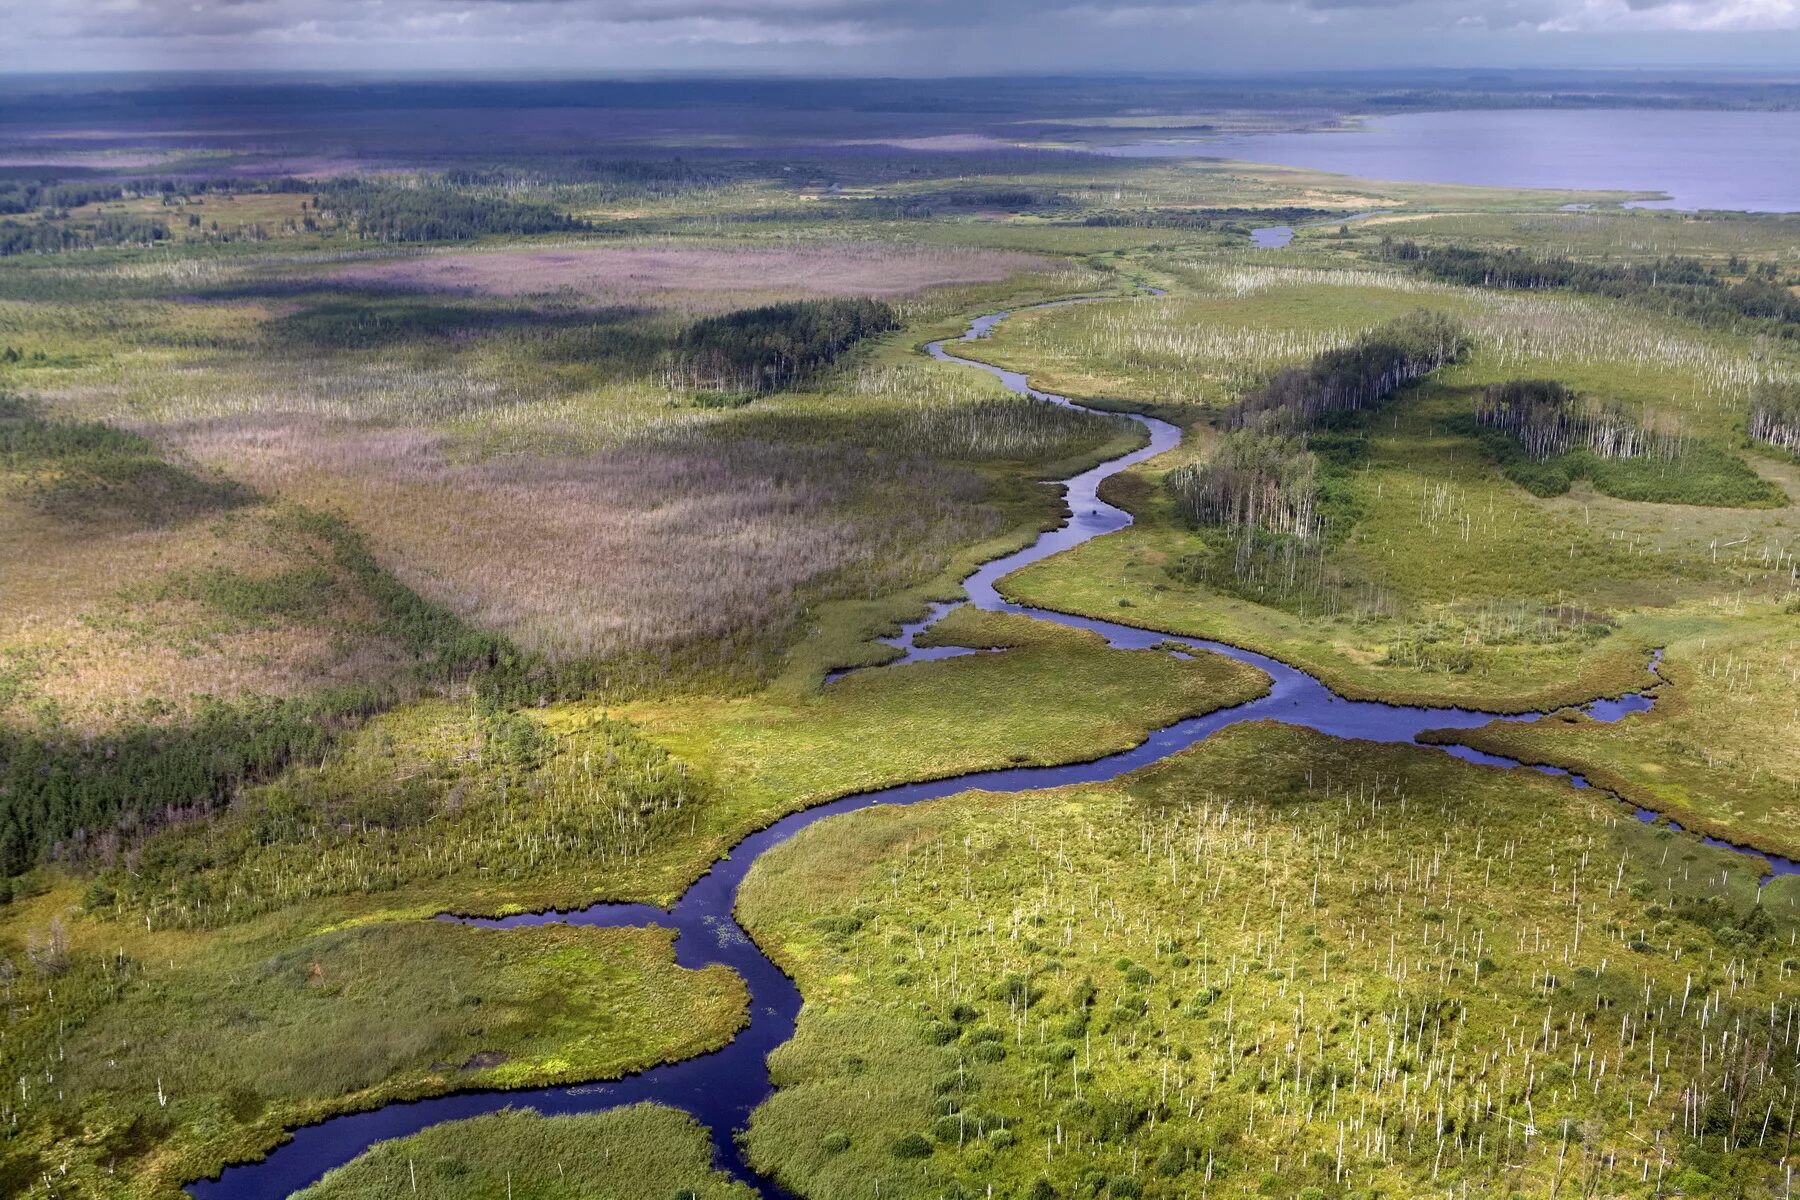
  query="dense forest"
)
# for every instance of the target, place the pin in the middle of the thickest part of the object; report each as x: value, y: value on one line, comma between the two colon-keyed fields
x: 383, y: 213
x: 56, y: 237
x: 1686, y: 287
x: 761, y: 349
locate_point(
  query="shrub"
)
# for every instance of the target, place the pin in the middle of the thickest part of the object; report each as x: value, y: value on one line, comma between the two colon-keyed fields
x: 911, y: 1145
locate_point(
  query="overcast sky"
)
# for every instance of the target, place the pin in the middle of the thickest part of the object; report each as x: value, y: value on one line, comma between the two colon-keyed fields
x: 893, y: 36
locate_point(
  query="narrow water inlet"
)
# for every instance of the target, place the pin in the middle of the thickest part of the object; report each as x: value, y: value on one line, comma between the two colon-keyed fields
x: 721, y: 1089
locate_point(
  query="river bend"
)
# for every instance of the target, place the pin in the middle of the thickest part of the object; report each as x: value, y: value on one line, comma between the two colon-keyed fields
x: 721, y: 1088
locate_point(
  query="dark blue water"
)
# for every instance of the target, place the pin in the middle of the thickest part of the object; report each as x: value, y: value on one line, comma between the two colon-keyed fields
x: 1744, y: 161
x: 721, y: 1088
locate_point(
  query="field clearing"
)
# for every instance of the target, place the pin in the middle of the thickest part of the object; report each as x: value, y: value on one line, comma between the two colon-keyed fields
x: 1069, y: 985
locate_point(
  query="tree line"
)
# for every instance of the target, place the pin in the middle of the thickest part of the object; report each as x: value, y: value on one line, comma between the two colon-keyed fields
x: 1686, y: 287
x: 383, y: 213
x: 58, y: 237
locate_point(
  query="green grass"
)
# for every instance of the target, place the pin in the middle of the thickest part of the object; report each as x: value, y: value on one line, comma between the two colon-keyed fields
x: 1057, y: 695
x: 1453, y: 584
x: 167, y: 1056
x: 1717, y: 751
x: 1702, y: 474
x: 643, y: 1152
x: 1364, y: 654
x: 1205, y: 976
x: 440, y: 805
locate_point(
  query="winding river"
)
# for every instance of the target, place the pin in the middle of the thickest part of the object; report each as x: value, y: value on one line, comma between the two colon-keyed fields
x: 720, y: 1089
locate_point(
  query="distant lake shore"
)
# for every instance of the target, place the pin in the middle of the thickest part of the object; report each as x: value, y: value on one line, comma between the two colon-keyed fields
x: 1738, y: 161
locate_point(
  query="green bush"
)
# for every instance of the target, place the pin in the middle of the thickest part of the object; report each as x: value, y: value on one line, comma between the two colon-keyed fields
x: 911, y: 1145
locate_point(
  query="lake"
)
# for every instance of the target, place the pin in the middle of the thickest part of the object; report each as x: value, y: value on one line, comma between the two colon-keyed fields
x: 1725, y: 160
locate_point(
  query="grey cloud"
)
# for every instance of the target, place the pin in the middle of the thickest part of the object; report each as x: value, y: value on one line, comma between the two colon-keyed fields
x: 898, y: 34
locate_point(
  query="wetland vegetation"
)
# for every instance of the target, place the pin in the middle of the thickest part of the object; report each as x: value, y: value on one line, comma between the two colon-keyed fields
x: 486, y: 524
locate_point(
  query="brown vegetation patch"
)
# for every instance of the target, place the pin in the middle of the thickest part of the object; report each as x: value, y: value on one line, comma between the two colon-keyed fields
x: 617, y: 275
x: 706, y: 547
x: 97, y: 627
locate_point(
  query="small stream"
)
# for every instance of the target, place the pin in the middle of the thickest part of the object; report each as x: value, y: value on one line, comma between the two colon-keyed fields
x: 720, y: 1089
x: 1274, y: 237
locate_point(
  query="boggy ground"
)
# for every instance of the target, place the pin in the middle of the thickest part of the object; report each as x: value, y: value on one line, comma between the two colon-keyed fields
x: 1451, y: 583
x: 1275, y: 964
x: 643, y: 1150
x: 298, y: 920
